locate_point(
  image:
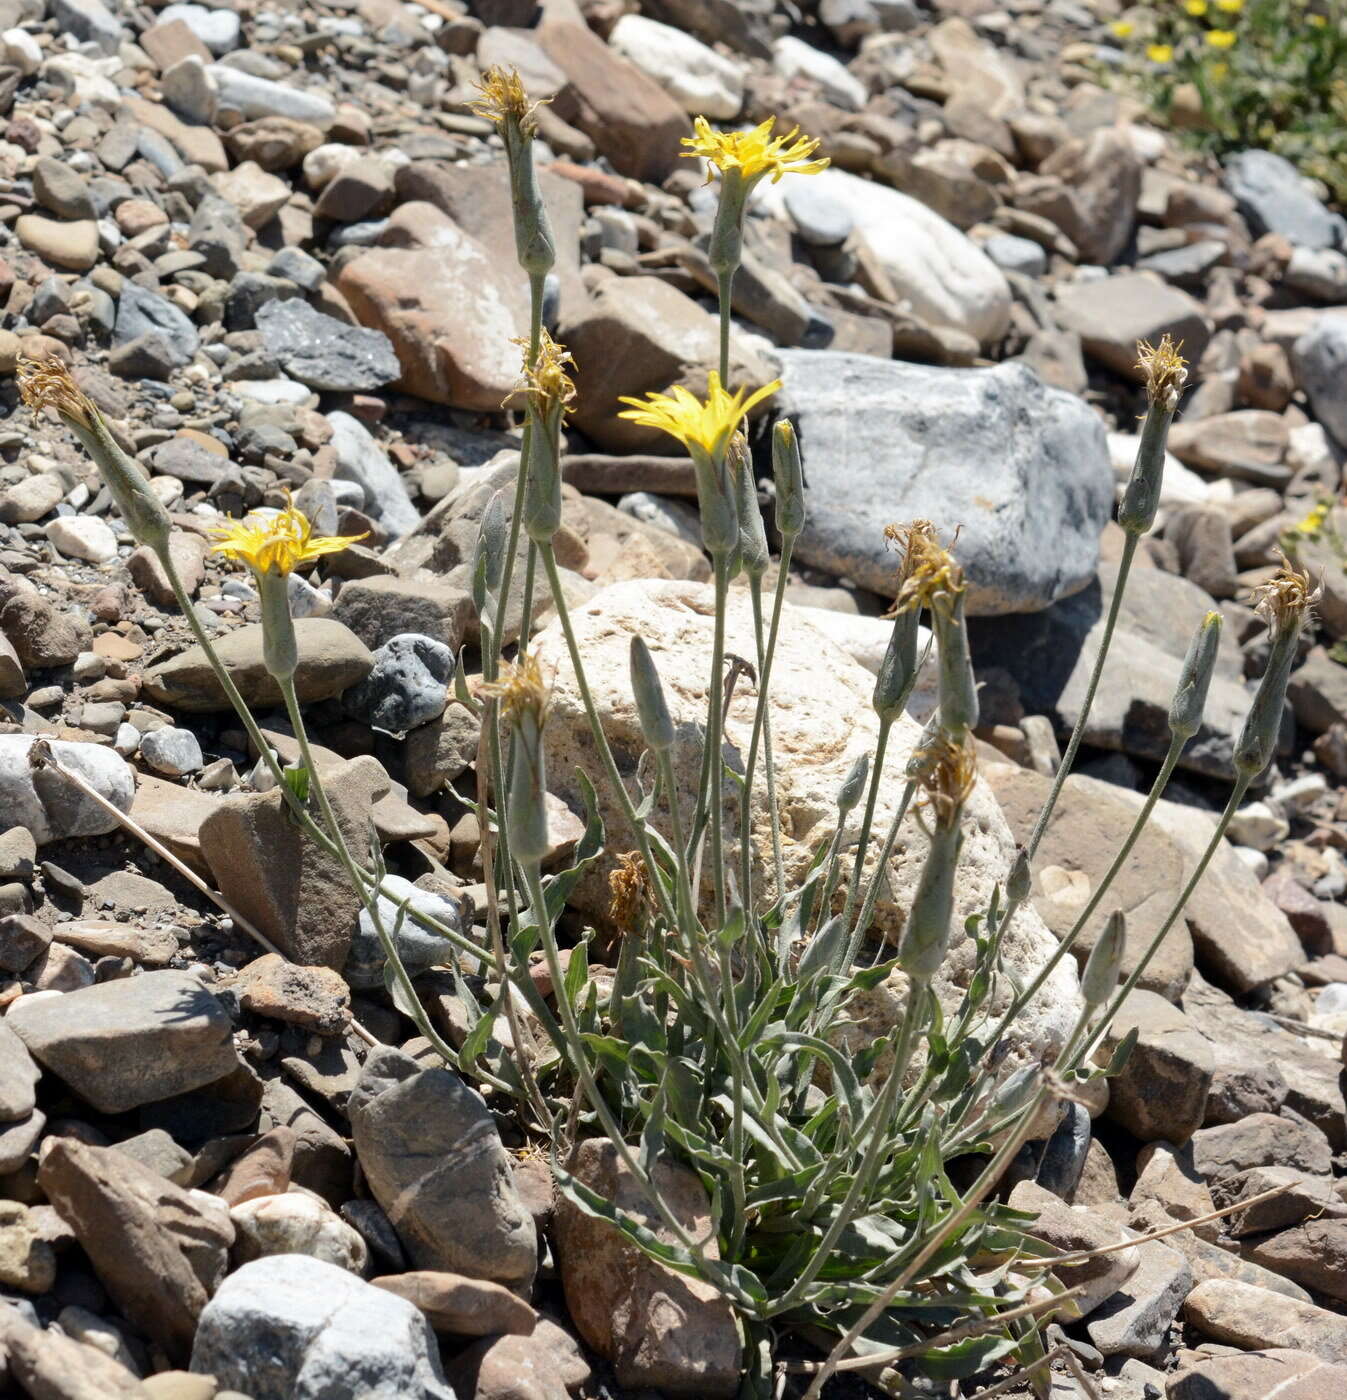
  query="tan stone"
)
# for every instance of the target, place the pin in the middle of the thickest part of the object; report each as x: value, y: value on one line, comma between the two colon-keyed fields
x: 1228, y: 1311
x: 460, y: 1306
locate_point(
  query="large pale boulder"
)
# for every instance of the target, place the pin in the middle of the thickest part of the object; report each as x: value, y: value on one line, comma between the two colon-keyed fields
x: 821, y: 721
x: 946, y: 279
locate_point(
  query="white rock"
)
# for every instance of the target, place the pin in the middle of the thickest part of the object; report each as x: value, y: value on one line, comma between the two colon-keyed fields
x: 944, y: 276
x: 83, y: 537
x: 362, y: 460
x: 217, y: 29
x: 1180, y: 485
x: 792, y: 57
x: 260, y: 97
x: 127, y: 740
x: 297, y: 1223
x: 703, y: 82
x: 1257, y: 825
x: 85, y: 81
x: 48, y: 805
x: 1332, y: 1000
x: 172, y: 751
x: 821, y: 721
x: 22, y: 51
x: 1300, y: 794
x: 325, y: 161
x: 1255, y: 860
x: 866, y: 639
x: 270, y: 390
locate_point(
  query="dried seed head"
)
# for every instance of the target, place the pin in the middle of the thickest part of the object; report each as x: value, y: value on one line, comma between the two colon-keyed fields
x: 521, y: 691
x: 1285, y: 601
x: 49, y: 384
x: 503, y: 100
x: 928, y: 573
x: 629, y: 892
x: 1165, y: 369
x: 946, y: 769
x: 546, y: 381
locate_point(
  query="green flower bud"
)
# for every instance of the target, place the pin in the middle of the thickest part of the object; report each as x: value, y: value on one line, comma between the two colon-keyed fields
x: 1190, y: 698
x: 656, y: 726
x: 958, y: 686
x: 1104, y: 965
x: 526, y: 808
x: 488, y: 557
x: 788, y: 473
x: 898, y: 670
x: 715, y: 501
x: 925, y: 940
x: 280, y: 653
x: 1262, y: 725
x: 853, y: 785
x: 1019, y: 882
x: 753, y: 552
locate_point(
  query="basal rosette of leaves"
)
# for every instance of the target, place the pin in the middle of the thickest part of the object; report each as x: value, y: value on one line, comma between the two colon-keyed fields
x: 1268, y: 74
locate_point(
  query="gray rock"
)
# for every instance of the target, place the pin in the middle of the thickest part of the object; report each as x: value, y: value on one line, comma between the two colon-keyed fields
x: 288, y: 1327
x: 218, y: 234
x: 190, y: 91
x: 1274, y: 197
x: 172, y: 751
x: 130, y: 1042
x: 1012, y: 254
x: 459, y: 1210
x: 301, y: 268
x: 62, y: 190
x: 323, y: 352
x: 418, y: 948
x: 261, y: 97
x: 1136, y: 1320
x: 406, y: 688
x: 819, y: 220
x: 1022, y: 469
x: 1064, y: 1153
x: 89, y: 20
x: 1319, y: 362
x: 141, y: 312
x: 1051, y: 655
x: 18, y: 1077
x: 362, y: 460
x: 49, y: 805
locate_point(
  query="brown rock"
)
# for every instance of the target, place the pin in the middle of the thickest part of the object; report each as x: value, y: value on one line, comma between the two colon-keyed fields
x: 173, y: 814
x: 1166, y: 1176
x: 1313, y: 1253
x: 628, y: 116
x: 1279, y: 1371
x: 1102, y: 175
x: 262, y: 1170
x: 1249, y: 444
x: 361, y: 190
x: 72, y: 245
x: 316, y: 998
x: 460, y: 1306
x: 1300, y: 1196
x: 188, y: 552
x: 274, y: 143
x: 376, y: 609
x: 48, y: 1365
x: 1161, y: 1092
x: 1245, y: 1316
x: 170, y: 41
x: 41, y: 635
x: 1261, y: 1140
x: 158, y: 1250
x: 199, y: 145
x: 545, y: 1365
x: 658, y: 1328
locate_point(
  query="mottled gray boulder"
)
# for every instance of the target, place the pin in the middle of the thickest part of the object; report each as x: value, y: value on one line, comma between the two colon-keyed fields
x: 52, y: 807
x: 289, y: 1327
x: 407, y: 687
x: 1274, y: 197
x: 419, y: 948
x: 434, y: 1161
x: 323, y: 352
x: 1022, y: 470
x: 1319, y: 362
x: 142, y: 312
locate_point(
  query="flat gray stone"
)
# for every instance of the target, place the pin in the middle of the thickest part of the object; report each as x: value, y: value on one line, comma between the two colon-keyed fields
x: 1021, y: 468
x: 1274, y: 197
x: 1319, y: 362
x: 1136, y: 1320
x: 142, y: 312
x: 323, y: 352
x: 130, y: 1042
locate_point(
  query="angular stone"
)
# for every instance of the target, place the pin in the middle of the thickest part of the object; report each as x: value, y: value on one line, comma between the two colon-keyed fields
x: 1249, y: 445
x: 1275, y: 198
x: 1113, y: 315
x: 378, y: 609
x: 129, y: 1042
x: 1245, y: 1316
x: 1299, y: 1196
x: 44, y: 1361
x: 658, y: 1328
x: 18, y: 1076
x: 324, y: 353
x: 455, y: 1211
x: 1136, y: 1320
x: 331, y: 659
x: 1319, y: 361
x: 1278, y: 1371
x: 315, y: 998
x: 875, y: 432
x: 546, y: 1365
x: 160, y: 1251
x: 289, y: 1327
x: 1313, y: 1253
x: 1261, y: 1140
x: 460, y: 1306
x: 1075, y: 1228
x: 1161, y: 1092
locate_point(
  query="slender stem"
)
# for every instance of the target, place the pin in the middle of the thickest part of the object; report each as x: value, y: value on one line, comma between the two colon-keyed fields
x: 714, y: 731
x: 876, y: 774
x: 725, y: 287
x: 1078, y: 732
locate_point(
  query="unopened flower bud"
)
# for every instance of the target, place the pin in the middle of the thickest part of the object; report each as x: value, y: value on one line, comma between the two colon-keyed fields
x: 788, y: 473
x: 716, y: 505
x: 1019, y: 881
x: 853, y: 785
x: 550, y: 393
x: 1190, y: 698
x: 958, y: 685
x: 488, y: 558
x: 1016, y: 1091
x: 925, y: 940
x: 656, y: 726
x: 523, y: 705
x: 753, y: 552
x: 898, y: 669
x: 1165, y: 374
x: 1104, y: 965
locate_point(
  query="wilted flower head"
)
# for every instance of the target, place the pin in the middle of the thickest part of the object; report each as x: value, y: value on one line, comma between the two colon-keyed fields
x: 277, y: 544
x: 1285, y: 600
x: 707, y: 425
x: 1165, y: 369
x: 629, y: 891
x: 521, y: 691
x: 928, y: 572
x: 546, y: 380
x: 504, y: 100
x: 49, y: 384
x: 946, y: 769
x: 755, y: 153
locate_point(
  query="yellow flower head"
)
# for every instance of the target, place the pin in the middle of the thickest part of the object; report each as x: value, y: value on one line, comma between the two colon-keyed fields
x: 1318, y: 21
x: 754, y: 153
x: 49, y: 384
x: 707, y: 426
x: 1123, y: 28
x: 1221, y: 38
x: 504, y: 100
x: 1160, y: 53
x: 547, y: 381
x: 1231, y: 7
x: 1314, y: 521
x: 1195, y: 8
x: 277, y: 544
